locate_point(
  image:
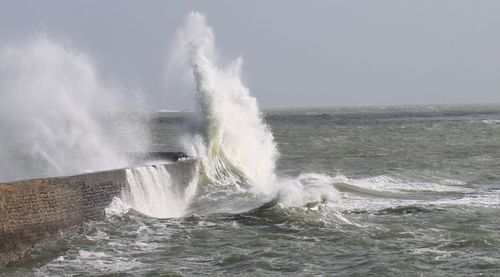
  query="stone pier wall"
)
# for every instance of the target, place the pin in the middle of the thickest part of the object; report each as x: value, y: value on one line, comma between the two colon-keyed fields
x: 36, y: 209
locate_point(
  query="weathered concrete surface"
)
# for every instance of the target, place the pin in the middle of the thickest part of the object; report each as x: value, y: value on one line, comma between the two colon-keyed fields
x: 35, y: 209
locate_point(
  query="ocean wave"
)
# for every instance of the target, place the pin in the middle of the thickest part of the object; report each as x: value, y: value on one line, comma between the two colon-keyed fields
x: 491, y: 121
x: 391, y: 184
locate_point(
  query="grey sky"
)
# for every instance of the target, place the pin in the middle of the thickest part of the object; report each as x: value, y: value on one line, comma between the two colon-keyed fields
x: 297, y: 53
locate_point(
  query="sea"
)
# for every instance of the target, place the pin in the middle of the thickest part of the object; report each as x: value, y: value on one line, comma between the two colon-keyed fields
x: 366, y: 191
x: 369, y: 191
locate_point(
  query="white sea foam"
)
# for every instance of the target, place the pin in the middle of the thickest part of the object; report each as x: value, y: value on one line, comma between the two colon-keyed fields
x: 90, y: 261
x: 117, y: 207
x: 491, y: 121
x: 486, y: 200
x: 306, y: 188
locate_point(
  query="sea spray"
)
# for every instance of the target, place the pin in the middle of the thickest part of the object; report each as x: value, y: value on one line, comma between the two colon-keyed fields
x: 229, y: 135
x: 56, y: 116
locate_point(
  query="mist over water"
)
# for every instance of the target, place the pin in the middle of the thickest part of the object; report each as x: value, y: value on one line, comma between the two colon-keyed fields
x: 56, y: 115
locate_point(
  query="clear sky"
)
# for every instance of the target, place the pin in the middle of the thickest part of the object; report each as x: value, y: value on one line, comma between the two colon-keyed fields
x: 297, y: 53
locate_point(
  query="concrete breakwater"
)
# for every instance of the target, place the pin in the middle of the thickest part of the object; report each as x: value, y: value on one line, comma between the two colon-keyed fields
x: 32, y: 210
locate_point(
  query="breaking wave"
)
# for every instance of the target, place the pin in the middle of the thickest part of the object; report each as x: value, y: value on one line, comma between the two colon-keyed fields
x: 228, y: 133
x: 237, y: 149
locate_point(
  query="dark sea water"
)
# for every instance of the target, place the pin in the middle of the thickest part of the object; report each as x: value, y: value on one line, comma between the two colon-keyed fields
x: 416, y: 193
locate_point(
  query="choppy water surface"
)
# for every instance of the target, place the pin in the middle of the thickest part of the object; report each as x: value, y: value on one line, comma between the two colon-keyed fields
x: 416, y: 192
